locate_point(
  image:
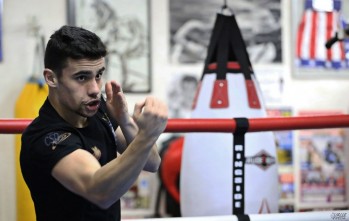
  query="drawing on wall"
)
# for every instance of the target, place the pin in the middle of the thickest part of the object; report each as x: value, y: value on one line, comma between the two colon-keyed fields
x: 180, y: 94
x: 125, y: 31
x: 271, y: 82
x: 191, y: 26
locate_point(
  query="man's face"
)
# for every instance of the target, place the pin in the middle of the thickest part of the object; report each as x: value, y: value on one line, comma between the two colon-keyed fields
x: 79, y: 87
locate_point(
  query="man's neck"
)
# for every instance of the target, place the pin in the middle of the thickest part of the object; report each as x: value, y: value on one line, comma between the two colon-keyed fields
x: 70, y: 117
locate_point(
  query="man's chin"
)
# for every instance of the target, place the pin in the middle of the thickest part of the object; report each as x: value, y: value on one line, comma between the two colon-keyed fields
x: 88, y: 114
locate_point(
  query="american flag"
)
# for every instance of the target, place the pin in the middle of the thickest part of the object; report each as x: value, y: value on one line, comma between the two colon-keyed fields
x: 315, y: 29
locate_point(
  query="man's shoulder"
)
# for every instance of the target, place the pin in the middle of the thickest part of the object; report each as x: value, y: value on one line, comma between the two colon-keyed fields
x: 42, y: 130
x: 39, y: 124
x: 48, y: 119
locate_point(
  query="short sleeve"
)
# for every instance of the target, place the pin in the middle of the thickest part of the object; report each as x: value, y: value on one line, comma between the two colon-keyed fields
x: 52, y: 147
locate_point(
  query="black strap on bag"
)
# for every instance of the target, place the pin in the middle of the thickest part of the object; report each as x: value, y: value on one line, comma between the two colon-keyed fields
x: 213, y: 46
x: 243, y: 217
x: 227, y: 45
x: 238, y: 45
x: 242, y: 126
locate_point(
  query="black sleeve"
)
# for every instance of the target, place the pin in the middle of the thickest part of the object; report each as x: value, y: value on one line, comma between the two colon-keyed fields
x: 52, y: 147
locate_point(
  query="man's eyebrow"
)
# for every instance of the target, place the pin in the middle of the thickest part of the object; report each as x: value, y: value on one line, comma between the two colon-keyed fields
x: 83, y: 72
x: 101, y: 70
x: 88, y: 72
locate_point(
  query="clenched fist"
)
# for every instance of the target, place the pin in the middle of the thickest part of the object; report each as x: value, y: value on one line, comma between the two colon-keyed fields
x: 151, y: 116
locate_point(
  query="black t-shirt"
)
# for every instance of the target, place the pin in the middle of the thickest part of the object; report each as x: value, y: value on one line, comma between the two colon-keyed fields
x: 46, y: 141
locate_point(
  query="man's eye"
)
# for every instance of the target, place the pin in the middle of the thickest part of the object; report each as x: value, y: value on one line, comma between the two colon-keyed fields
x: 81, y: 78
x: 99, y: 75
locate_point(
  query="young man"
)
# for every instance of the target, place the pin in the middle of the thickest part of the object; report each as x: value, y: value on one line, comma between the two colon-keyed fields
x: 69, y: 152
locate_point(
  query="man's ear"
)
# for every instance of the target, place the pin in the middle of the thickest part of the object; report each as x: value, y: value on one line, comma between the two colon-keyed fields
x: 50, y: 77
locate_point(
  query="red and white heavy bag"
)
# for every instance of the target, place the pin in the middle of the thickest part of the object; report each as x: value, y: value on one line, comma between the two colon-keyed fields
x: 222, y: 174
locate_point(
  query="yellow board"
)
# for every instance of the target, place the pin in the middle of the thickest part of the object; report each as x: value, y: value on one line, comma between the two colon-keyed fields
x: 28, y: 104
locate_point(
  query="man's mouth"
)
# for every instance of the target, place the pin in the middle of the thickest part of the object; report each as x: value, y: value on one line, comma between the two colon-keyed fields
x: 93, y: 105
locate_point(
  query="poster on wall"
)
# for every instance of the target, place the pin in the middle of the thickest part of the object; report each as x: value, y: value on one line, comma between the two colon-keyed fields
x: 322, y: 164
x: 271, y: 82
x: 191, y: 26
x: 125, y: 30
x: 284, y: 147
x: 321, y: 47
x: 1, y: 56
x: 318, y: 39
x: 181, y: 91
x: 283, y: 139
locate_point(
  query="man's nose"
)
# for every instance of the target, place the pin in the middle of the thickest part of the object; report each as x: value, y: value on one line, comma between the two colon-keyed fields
x: 94, y: 88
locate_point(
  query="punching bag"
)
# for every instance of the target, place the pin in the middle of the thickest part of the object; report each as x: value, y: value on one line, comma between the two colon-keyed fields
x: 222, y: 173
x: 171, y: 168
x: 28, y: 104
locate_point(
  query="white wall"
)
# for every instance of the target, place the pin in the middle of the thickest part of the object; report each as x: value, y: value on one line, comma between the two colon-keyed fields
x: 16, y: 68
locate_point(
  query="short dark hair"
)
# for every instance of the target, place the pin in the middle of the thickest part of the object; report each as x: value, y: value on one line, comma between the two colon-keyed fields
x: 189, y: 78
x: 72, y: 42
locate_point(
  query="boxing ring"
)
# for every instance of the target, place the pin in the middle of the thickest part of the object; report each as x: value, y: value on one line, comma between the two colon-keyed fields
x: 16, y: 126
x: 342, y: 215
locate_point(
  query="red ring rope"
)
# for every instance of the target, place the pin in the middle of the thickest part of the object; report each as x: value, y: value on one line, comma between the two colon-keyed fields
x: 15, y: 126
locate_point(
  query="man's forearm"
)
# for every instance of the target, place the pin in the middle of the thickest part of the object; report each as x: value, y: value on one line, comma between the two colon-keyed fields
x: 121, y: 172
x: 129, y: 131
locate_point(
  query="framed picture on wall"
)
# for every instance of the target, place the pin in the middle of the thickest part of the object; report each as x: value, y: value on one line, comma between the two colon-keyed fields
x: 125, y: 30
x: 191, y: 26
x: 321, y: 47
x: 321, y: 159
